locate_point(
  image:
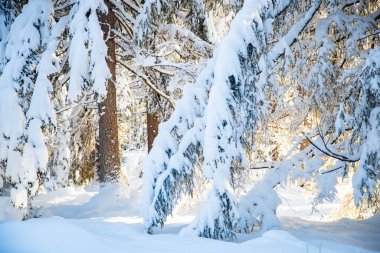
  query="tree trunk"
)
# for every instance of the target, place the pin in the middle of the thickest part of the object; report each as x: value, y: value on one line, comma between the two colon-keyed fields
x: 152, y: 122
x: 108, y: 141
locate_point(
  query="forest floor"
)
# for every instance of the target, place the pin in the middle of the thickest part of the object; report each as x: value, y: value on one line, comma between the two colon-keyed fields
x: 83, y: 220
x: 86, y: 220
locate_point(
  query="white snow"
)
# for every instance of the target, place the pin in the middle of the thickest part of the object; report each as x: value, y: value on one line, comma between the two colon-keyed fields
x: 120, y: 235
x: 84, y: 220
x: 91, y: 58
x: 19, y: 196
x: 23, y: 40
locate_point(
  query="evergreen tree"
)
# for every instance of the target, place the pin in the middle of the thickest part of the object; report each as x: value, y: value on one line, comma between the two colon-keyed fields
x: 235, y: 100
x: 20, y: 118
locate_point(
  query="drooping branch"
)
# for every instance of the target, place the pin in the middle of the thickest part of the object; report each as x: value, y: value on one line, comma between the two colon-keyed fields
x: 129, y: 3
x: 147, y: 81
x: 123, y: 13
x: 329, y: 153
x: 332, y: 170
x: 292, y: 35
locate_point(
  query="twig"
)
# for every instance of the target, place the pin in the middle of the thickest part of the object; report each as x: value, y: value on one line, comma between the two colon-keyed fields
x: 331, y: 154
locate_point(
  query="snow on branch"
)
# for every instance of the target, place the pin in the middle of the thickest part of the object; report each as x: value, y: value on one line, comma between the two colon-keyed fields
x: 28, y: 34
x: 87, y: 50
x: 246, y: 28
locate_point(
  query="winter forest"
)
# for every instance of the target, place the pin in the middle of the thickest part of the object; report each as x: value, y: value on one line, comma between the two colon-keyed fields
x: 189, y: 126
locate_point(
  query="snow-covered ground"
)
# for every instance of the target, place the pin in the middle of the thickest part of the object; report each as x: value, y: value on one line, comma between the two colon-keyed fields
x: 124, y: 234
x: 78, y: 219
x: 83, y: 220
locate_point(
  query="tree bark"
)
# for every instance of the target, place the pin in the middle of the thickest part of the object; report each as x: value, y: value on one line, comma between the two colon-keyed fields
x: 108, y: 141
x: 152, y: 122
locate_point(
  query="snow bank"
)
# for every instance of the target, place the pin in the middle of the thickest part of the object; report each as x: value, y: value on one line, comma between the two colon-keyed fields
x: 108, y: 223
x: 110, y: 200
x: 47, y: 235
x: 113, y: 235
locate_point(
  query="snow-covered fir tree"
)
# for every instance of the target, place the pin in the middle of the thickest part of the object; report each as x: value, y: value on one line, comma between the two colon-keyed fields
x: 217, y: 138
x: 22, y: 89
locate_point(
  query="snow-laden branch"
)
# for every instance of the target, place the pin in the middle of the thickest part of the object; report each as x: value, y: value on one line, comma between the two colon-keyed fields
x: 128, y: 3
x: 147, y: 81
x: 120, y: 9
x: 325, y: 150
x: 286, y: 41
x: 29, y: 33
x: 164, y: 163
x: 185, y: 34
